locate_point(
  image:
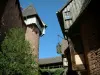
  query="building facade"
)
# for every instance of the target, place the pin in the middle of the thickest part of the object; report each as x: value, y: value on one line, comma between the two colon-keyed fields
x: 79, y: 21
x: 12, y: 16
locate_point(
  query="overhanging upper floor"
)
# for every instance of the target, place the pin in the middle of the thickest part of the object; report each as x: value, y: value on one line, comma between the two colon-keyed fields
x: 31, y: 18
x: 68, y: 15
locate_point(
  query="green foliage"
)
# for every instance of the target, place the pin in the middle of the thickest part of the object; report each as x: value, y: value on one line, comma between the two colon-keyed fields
x: 16, y: 57
x: 58, y: 72
x: 45, y: 72
x: 51, y: 71
x: 58, y: 48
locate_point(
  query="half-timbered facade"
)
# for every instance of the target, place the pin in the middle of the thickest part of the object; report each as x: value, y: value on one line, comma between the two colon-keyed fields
x: 79, y: 21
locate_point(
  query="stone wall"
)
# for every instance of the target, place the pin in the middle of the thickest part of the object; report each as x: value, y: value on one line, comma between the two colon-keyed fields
x: 10, y: 16
x: 32, y: 35
x: 90, y: 32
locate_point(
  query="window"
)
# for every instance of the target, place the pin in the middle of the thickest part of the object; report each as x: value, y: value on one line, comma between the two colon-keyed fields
x: 68, y: 15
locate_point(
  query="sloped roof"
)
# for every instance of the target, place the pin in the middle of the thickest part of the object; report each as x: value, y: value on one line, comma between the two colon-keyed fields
x: 50, y: 60
x: 60, y: 15
x: 30, y: 10
x: 68, y: 2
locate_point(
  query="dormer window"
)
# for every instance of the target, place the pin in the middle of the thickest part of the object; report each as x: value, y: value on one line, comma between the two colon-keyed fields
x: 67, y: 18
x: 68, y: 15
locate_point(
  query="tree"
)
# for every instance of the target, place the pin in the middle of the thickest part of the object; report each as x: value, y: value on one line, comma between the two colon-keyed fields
x: 16, y: 57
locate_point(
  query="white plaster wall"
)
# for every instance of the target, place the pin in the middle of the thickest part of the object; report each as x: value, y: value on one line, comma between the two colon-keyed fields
x: 34, y: 20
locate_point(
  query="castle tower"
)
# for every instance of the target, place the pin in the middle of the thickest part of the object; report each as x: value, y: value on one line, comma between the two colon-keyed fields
x: 34, y: 29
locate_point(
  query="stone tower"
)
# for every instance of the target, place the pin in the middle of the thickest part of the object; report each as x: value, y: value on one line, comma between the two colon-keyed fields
x: 34, y: 28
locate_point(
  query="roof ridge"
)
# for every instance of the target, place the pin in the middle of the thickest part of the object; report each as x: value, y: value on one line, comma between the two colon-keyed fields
x: 51, y: 57
x: 31, y: 5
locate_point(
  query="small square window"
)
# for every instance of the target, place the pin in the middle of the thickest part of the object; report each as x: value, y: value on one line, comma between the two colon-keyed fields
x: 67, y: 15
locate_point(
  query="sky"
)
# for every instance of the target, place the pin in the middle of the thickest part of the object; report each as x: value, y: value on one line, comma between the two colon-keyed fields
x: 46, y: 10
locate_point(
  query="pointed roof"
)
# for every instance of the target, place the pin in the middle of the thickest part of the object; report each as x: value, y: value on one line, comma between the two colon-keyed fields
x: 30, y: 10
